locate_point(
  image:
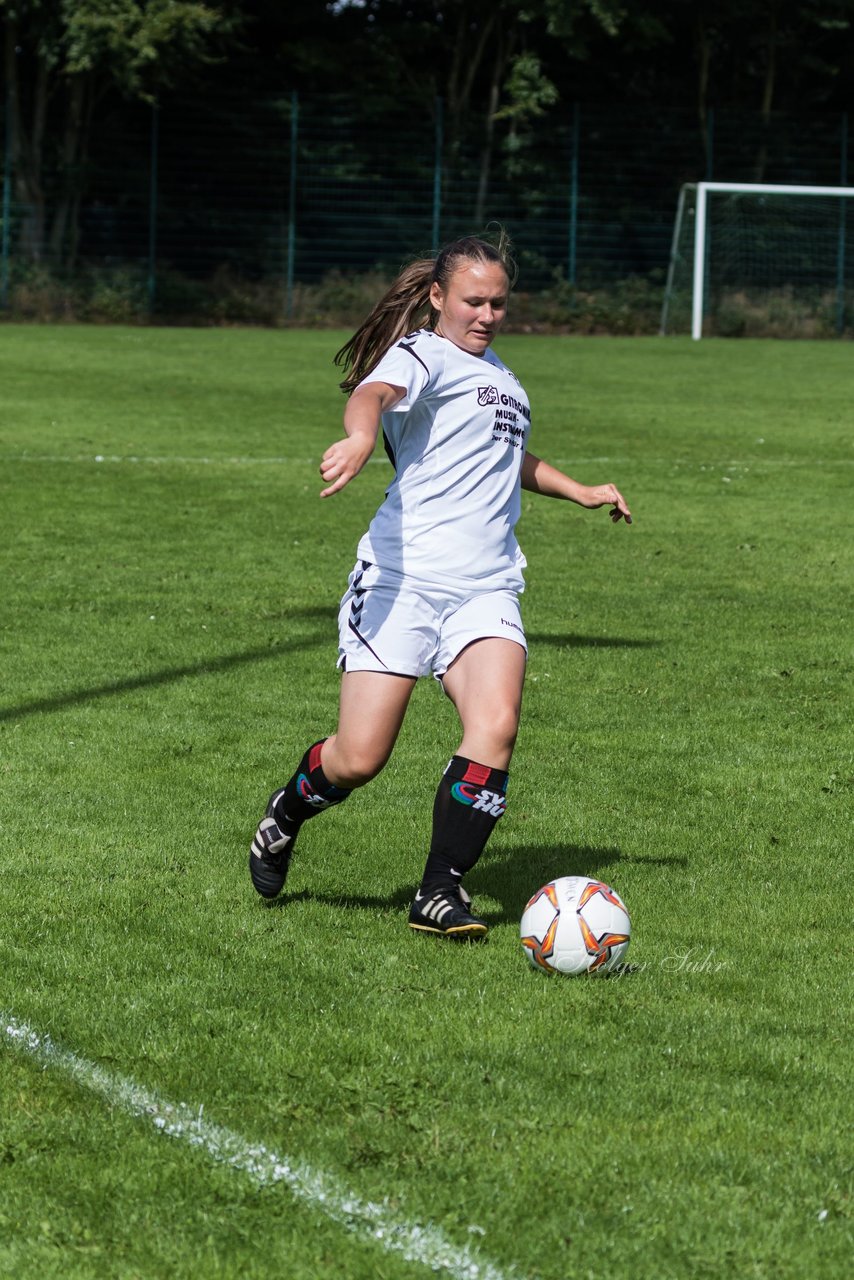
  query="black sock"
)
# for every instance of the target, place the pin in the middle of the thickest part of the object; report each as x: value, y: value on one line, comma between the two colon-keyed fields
x: 469, y: 801
x: 308, y: 793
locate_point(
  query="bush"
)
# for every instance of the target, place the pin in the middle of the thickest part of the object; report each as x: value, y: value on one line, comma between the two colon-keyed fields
x: 113, y: 295
x: 777, y: 313
x: 630, y: 307
x: 36, y: 294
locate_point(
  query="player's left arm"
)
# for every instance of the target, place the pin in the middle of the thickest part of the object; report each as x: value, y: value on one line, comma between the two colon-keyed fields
x: 542, y: 477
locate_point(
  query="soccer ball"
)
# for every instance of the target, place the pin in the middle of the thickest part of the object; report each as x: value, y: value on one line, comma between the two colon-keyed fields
x: 575, y: 925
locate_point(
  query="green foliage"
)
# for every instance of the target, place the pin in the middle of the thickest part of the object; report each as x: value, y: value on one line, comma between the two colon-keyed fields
x: 134, y: 41
x: 121, y: 40
x: 563, y: 15
x: 126, y: 42
x: 120, y: 295
x: 528, y: 90
x: 624, y: 307
x: 63, y: 56
x: 117, y: 296
x: 168, y: 647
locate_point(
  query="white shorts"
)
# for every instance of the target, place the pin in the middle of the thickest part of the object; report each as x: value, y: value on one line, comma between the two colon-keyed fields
x: 388, y: 622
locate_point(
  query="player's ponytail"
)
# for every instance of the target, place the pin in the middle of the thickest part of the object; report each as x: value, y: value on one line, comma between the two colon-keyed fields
x: 406, y: 305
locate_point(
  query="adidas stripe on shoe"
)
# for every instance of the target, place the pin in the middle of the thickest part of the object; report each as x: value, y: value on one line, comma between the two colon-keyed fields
x: 270, y: 852
x: 446, y: 912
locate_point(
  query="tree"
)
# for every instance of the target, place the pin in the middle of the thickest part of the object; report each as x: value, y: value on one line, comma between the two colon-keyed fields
x: 60, y: 57
x: 486, y: 59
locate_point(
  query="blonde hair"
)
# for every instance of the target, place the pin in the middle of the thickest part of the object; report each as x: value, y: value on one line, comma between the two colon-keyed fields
x: 406, y: 306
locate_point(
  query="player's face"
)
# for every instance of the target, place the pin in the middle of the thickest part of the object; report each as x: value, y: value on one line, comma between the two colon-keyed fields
x: 472, y: 309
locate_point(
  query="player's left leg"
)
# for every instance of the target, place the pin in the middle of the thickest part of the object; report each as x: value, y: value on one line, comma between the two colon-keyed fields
x: 485, y: 684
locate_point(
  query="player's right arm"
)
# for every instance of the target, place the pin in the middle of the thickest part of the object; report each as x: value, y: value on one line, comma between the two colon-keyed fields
x: 345, y: 458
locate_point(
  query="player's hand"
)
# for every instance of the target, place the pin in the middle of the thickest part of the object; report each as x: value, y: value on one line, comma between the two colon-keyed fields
x: 343, y: 460
x: 603, y: 495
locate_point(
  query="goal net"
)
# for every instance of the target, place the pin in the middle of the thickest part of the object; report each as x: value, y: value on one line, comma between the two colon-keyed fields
x: 761, y: 260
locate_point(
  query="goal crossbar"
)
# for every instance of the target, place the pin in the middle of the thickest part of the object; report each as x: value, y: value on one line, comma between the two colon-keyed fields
x: 737, y: 188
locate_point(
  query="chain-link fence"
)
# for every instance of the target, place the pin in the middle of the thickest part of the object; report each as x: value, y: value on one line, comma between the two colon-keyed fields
x: 218, y: 209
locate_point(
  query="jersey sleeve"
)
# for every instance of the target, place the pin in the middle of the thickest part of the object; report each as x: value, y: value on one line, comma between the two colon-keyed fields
x: 404, y: 365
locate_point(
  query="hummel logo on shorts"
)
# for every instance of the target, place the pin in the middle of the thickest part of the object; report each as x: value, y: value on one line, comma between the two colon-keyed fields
x: 505, y: 622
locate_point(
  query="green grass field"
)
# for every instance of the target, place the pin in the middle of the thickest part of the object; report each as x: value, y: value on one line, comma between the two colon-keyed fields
x: 195, y: 1084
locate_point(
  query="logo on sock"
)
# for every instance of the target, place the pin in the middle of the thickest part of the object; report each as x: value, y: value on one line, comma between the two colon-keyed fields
x: 310, y: 796
x: 491, y: 802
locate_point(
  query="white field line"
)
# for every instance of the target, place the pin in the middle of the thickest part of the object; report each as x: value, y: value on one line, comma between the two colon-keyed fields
x: 320, y: 1191
x: 165, y: 460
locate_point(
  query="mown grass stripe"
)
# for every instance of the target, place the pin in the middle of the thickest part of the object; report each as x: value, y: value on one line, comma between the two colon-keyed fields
x: 321, y: 1191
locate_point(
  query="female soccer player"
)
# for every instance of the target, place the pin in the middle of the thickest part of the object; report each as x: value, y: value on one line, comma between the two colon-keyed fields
x: 439, y: 571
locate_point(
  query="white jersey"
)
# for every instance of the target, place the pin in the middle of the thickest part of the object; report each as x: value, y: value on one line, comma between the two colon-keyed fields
x: 456, y: 441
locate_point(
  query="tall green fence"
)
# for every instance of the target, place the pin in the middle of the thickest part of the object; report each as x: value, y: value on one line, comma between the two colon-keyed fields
x: 289, y: 191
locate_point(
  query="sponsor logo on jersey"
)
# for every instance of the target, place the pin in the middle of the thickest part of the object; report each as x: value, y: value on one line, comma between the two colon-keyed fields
x: 509, y: 432
x: 491, y: 395
x: 491, y: 802
x: 512, y: 417
x: 510, y: 402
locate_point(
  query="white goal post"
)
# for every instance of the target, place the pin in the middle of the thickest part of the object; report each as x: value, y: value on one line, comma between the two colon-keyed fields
x: 700, y: 263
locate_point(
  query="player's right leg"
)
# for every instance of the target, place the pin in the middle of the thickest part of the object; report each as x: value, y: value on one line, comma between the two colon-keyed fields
x: 371, y: 710
x: 372, y: 707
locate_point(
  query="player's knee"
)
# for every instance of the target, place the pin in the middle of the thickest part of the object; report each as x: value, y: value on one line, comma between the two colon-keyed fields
x: 502, y: 727
x: 357, y: 765
x: 509, y: 731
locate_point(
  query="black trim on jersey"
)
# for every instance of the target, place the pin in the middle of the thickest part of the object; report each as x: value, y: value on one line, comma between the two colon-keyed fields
x: 411, y: 349
x: 414, y: 353
x: 389, y: 451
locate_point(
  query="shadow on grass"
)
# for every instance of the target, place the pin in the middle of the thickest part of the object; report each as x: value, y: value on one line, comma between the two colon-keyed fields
x: 510, y: 877
x: 572, y: 641
x: 214, y: 666
x: 202, y: 667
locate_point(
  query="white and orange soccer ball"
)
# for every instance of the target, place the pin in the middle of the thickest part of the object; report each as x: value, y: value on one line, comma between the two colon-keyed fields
x: 576, y: 925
